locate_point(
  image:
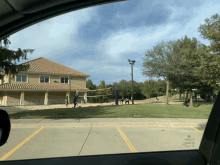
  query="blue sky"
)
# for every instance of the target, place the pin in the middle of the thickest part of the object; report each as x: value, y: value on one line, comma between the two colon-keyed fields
x: 99, y: 40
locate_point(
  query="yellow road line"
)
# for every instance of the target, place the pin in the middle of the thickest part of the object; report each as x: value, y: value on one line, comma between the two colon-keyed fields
x: 19, y: 145
x: 196, y: 129
x: 126, y: 140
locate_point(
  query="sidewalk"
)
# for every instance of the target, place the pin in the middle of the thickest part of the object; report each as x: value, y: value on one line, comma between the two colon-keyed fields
x: 112, y: 122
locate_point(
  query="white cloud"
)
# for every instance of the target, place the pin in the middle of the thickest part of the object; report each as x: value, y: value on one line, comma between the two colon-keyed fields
x: 131, y: 40
x: 55, y: 34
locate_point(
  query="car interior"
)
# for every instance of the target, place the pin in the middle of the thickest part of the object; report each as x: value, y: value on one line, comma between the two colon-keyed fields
x: 16, y: 15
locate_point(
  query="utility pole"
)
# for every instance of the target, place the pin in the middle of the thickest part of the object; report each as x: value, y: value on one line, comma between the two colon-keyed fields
x: 132, y: 63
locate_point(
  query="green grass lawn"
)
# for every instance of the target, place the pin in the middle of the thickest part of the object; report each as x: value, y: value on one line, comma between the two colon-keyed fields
x: 201, y: 111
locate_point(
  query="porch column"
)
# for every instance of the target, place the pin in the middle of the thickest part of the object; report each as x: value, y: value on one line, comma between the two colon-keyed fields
x: 46, y: 98
x: 68, y: 95
x: 22, y: 98
x: 85, y: 97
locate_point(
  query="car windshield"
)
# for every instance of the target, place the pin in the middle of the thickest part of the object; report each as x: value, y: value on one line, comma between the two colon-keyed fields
x: 125, y: 77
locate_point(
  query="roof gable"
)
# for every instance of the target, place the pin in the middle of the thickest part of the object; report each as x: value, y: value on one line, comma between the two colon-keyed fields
x: 45, y: 66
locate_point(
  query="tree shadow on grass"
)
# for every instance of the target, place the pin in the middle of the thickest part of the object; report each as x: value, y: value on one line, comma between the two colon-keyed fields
x: 82, y: 112
x: 113, y: 111
x: 200, y: 103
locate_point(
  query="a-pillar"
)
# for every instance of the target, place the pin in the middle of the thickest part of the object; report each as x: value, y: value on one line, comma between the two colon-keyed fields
x: 22, y: 98
x: 46, y: 98
x: 85, y: 97
x: 68, y: 95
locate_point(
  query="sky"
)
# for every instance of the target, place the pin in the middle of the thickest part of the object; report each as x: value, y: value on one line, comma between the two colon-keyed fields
x: 99, y: 40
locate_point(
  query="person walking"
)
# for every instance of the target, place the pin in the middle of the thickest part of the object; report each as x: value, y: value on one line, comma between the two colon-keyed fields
x: 127, y: 101
x: 75, y: 101
x: 67, y: 101
x: 122, y: 99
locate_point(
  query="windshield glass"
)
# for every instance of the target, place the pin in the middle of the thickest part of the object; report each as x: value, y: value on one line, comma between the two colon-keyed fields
x: 125, y: 77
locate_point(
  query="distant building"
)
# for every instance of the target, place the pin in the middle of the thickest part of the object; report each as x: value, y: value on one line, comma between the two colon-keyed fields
x: 45, y: 82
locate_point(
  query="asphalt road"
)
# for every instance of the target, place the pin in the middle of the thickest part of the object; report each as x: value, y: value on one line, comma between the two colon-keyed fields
x: 45, y: 138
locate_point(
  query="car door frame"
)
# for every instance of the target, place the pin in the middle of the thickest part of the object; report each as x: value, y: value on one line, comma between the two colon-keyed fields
x: 210, y: 144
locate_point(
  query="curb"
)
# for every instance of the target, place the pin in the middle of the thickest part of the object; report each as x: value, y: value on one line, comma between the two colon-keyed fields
x: 149, y: 125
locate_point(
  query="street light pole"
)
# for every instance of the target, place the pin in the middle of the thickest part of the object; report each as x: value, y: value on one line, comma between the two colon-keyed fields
x: 132, y: 83
x: 132, y: 63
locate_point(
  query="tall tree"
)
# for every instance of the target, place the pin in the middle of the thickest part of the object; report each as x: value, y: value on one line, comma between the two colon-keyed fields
x: 186, y: 50
x: 161, y: 86
x: 108, y: 85
x: 197, y: 67
x: 90, y: 85
x: 101, y: 85
x: 152, y: 88
x: 135, y: 88
x: 8, y: 59
x: 211, y: 31
x: 160, y: 62
x: 123, y: 88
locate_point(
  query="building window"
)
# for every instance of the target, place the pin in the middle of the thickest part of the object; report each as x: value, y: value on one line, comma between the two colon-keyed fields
x: 21, y: 78
x: 44, y: 79
x: 64, y: 80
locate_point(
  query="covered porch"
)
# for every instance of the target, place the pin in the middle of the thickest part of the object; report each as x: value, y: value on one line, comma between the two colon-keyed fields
x: 27, y: 97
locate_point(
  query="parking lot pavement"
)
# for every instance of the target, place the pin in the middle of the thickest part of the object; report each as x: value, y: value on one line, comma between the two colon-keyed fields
x: 44, y: 138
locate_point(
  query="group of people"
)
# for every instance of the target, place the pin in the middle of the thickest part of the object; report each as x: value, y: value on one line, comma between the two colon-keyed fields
x: 127, y: 100
x: 74, y: 101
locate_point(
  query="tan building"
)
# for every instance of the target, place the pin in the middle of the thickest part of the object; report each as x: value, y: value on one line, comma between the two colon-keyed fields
x: 44, y: 83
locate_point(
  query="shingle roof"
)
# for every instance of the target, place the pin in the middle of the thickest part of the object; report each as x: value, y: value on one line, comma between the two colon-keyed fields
x: 28, y: 86
x: 43, y: 65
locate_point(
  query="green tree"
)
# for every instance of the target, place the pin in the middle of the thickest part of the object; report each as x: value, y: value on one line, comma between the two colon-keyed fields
x: 101, y: 85
x: 8, y: 59
x: 108, y: 85
x: 150, y: 88
x: 211, y: 31
x: 197, y: 67
x: 123, y: 88
x: 161, y: 86
x: 161, y: 62
x: 138, y: 90
x: 184, y: 77
x: 89, y: 84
